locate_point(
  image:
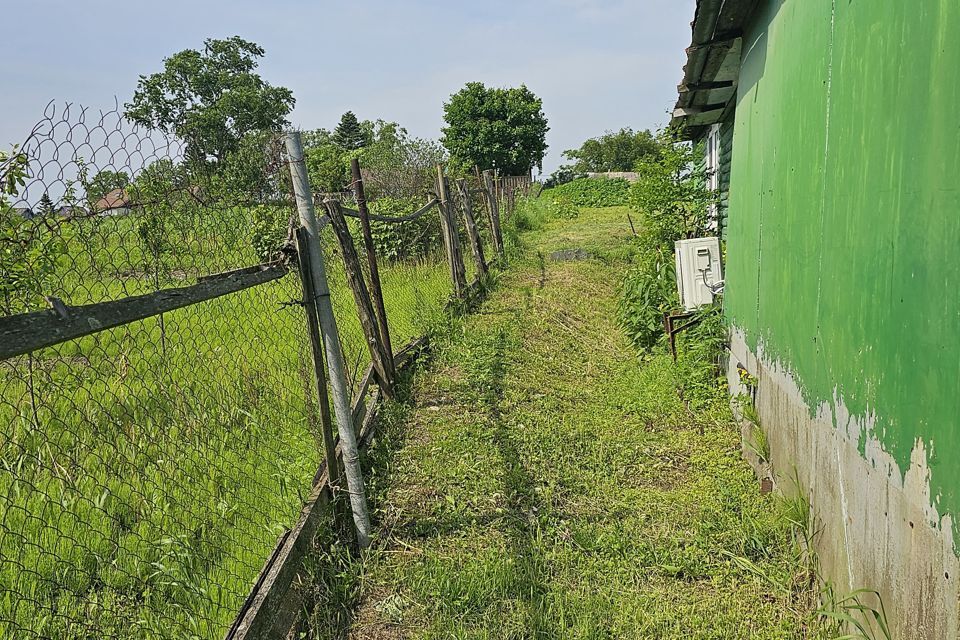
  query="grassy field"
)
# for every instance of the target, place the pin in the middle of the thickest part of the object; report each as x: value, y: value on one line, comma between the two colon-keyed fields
x: 545, y: 482
x: 147, y: 471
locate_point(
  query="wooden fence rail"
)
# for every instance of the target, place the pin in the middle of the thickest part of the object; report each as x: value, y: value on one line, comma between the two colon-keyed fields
x: 26, y: 332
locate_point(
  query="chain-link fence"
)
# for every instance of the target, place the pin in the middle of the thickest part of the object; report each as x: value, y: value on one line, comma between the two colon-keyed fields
x: 146, y: 470
x: 158, y: 393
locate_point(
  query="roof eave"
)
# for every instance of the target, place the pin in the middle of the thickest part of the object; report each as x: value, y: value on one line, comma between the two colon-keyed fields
x: 712, y: 70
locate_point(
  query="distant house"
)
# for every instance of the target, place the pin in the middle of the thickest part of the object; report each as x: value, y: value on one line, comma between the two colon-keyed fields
x: 26, y: 212
x: 833, y: 128
x: 115, y: 203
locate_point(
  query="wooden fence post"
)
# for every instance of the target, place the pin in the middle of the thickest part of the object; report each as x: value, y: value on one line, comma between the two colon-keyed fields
x: 316, y: 344
x: 368, y: 319
x: 375, y: 289
x: 331, y: 341
x: 475, y: 244
x: 493, y: 211
x: 451, y: 240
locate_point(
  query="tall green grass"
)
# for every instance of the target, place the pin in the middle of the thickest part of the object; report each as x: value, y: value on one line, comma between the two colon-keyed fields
x: 146, y: 471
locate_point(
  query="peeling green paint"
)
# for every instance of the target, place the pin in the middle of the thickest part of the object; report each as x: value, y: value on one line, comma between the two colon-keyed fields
x: 844, y: 230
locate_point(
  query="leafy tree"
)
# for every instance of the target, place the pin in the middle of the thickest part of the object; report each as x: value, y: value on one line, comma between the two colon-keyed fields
x: 349, y: 135
x: 613, y: 151
x: 328, y: 167
x: 211, y: 98
x: 29, y: 248
x: 564, y: 174
x: 671, y: 191
x: 104, y: 182
x: 495, y: 128
x: 313, y: 138
x: 397, y: 165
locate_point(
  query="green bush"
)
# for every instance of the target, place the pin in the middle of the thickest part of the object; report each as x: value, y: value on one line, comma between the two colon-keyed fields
x: 269, y: 230
x: 672, y: 200
x: 593, y: 192
x: 561, y: 207
x: 648, y: 291
x: 403, y: 240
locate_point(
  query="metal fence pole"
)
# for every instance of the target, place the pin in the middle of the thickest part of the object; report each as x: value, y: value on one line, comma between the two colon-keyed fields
x: 331, y: 339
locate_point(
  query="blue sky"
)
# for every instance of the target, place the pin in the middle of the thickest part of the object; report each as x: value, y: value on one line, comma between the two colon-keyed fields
x: 596, y: 65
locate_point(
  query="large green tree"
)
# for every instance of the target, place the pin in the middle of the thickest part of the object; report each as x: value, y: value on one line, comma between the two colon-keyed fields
x: 211, y: 98
x: 613, y: 151
x: 495, y: 128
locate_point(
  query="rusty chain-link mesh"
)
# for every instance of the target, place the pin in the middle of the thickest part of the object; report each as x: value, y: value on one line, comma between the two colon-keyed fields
x: 147, y: 470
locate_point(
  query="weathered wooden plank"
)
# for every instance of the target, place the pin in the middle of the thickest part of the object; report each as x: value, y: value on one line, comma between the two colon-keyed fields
x: 26, y: 332
x: 361, y: 296
x: 316, y: 345
x: 476, y: 246
x: 376, y: 292
x: 258, y: 616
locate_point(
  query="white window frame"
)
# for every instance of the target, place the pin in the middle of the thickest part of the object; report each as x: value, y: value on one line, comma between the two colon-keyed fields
x: 712, y: 153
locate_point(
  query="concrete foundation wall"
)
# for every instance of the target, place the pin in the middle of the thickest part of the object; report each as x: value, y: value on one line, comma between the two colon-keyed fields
x: 873, y: 526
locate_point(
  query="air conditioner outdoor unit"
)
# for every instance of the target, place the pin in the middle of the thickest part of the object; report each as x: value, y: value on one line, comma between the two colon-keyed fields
x: 699, y: 274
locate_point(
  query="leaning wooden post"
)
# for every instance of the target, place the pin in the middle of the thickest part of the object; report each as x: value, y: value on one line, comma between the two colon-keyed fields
x: 316, y: 344
x: 375, y: 290
x: 451, y: 241
x: 368, y: 319
x: 475, y: 245
x: 331, y: 341
x: 493, y: 209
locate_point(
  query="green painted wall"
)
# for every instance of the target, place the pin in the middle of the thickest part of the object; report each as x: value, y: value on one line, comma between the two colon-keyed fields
x: 844, y: 221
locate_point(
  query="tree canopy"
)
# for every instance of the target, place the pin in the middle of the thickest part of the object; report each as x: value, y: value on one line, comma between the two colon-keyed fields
x: 395, y: 164
x: 495, y: 128
x: 211, y: 98
x: 104, y: 182
x: 613, y: 151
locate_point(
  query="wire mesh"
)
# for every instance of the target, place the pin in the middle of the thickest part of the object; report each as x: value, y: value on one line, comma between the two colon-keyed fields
x: 147, y: 470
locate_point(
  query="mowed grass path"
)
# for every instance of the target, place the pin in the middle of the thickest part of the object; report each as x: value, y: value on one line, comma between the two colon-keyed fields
x: 546, y: 483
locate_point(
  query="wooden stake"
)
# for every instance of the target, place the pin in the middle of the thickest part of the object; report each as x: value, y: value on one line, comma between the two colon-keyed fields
x: 451, y: 240
x: 361, y: 296
x: 493, y: 209
x: 375, y: 290
x: 475, y: 244
x: 316, y: 344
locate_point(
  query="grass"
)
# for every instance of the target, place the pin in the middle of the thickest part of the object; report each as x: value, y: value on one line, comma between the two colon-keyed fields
x: 147, y: 471
x: 541, y: 482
